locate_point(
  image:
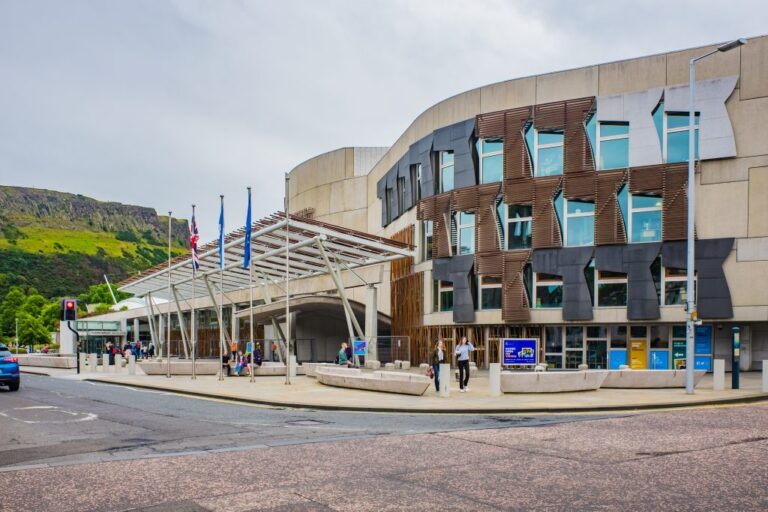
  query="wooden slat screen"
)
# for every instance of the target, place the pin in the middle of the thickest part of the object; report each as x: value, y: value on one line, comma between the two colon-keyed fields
x: 546, y: 228
x: 578, y: 152
x: 675, y: 202
x: 648, y: 179
x: 549, y: 116
x: 491, y: 263
x: 609, y: 223
x: 465, y: 199
x: 579, y: 185
x: 515, y: 307
x: 440, y: 241
x: 486, y: 232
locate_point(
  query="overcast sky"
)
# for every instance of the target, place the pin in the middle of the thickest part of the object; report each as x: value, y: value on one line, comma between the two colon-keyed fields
x: 163, y: 103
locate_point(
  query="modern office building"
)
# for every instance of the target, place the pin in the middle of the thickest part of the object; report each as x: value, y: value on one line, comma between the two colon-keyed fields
x: 555, y: 206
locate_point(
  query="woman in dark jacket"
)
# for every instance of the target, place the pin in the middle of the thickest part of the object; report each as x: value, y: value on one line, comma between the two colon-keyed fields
x: 438, y: 358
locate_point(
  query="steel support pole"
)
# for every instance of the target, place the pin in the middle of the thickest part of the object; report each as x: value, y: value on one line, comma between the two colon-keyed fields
x: 690, y: 269
x: 288, y: 360
x: 182, y: 323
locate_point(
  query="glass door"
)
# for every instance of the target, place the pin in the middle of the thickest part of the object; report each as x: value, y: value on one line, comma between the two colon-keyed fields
x: 597, y: 347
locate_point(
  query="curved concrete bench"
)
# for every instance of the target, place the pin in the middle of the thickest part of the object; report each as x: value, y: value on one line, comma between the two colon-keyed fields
x: 47, y: 360
x: 385, y: 382
x: 551, y: 382
x: 311, y: 368
x: 180, y: 367
x: 640, y: 379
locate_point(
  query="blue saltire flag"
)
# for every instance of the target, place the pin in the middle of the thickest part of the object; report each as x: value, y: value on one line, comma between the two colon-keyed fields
x: 247, y: 245
x: 221, y: 235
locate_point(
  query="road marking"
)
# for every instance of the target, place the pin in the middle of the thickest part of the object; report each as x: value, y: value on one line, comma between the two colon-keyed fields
x: 78, y: 416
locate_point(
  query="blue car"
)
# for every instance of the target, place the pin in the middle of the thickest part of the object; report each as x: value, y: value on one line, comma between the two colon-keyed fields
x: 9, y: 369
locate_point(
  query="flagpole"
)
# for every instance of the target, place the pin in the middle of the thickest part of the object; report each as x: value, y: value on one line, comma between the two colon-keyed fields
x: 194, y: 294
x: 168, y: 328
x: 250, y: 283
x: 221, y: 290
x: 287, y: 292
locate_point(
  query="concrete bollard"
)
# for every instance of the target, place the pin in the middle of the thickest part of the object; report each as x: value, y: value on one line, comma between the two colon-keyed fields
x: 405, y: 365
x: 82, y: 357
x: 105, y: 363
x: 292, y: 366
x: 118, y: 363
x: 93, y: 363
x: 718, y: 375
x: 494, y: 379
x: 372, y: 364
x: 445, y: 380
x: 131, y: 365
x: 765, y: 375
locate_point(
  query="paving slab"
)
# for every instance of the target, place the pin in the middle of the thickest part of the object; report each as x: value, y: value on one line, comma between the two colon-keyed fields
x: 306, y: 392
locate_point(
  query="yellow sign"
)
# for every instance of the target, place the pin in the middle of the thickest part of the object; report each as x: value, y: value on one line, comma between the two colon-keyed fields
x: 638, y: 354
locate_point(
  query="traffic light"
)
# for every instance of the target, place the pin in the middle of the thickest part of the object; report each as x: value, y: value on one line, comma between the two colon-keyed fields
x: 68, y: 309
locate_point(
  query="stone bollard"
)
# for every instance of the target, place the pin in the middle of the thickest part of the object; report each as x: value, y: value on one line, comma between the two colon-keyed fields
x: 718, y: 375
x: 583, y: 367
x: 93, y: 362
x: 405, y: 365
x: 372, y: 364
x: 494, y: 379
x: 445, y: 380
x: 82, y: 358
x: 397, y: 363
x: 118, y: 363
x: 105, y: 363
x: 389, y: 366
x: 765, y: 375
x: 131, y: 365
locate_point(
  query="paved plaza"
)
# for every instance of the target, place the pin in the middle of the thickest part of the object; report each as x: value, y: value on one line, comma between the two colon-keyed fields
x: 710, y: 458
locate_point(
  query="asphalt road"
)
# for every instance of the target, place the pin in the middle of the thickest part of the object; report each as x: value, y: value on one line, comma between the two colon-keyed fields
x: 73, y: 446
x: 52, y: 422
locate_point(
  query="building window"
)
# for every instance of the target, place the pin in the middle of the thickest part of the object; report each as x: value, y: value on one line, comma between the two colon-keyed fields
x: 390, y: 204
x: 415, y: 183
x: 446, y: 171
x: 644, y: 218
x: 426, y: 242
x: 579, y: 223
x: 519, y: 226
x: 401, y: 193
x: 553, y: 346
x: 574, y: 346
x: 465, y: 227
x: 548, y: 153
x: 442, y: 295
x: 491, y: 157
x: 612, y: 146
x: 676, y: 136
x: 490, y: 292
x: 549, y: 291
x: 597, y: 347
x: 611, y: 289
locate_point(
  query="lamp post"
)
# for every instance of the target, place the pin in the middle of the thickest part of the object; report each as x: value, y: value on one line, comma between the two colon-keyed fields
x: 690, y: 306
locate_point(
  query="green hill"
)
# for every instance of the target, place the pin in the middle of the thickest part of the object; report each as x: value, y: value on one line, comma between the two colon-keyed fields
x: 63, y: 243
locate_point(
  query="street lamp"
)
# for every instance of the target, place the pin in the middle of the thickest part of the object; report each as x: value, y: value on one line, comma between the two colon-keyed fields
x: 691, y: 314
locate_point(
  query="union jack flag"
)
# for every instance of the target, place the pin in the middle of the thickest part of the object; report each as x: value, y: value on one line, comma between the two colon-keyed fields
x: 194, y: 236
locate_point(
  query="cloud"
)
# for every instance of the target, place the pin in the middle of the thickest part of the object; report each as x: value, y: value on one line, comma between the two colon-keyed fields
x: 166, y: 103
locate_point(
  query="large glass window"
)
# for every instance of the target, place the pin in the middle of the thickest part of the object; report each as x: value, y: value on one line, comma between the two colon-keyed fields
x: 579, y: 223
x: 597, y: 347
x: 416, y: 183
x: 426, y: 241
x: 613, y: 146
x: 574, y: 346
x: 442, y: 295
x: 446, y: 171
x: 553, y: 346
x: 548, y: 153
x: 645, y: 218
x: 549, y: 291
x: 491, y: 158
x: 490, y: 292
x: 611, y: 289
x: 676, y: 136
x: 675, y: 292
x: 519, y: 226
x: 465, y: 225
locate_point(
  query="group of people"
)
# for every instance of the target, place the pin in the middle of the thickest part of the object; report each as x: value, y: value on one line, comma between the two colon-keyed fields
x: 242, y: 361
x: 136, y: 349
x: 462, y: 353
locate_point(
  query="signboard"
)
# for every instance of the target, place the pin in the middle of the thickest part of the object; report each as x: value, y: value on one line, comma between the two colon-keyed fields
x: 703, y: 340
x: 520, y: 351
x: 360, y: 347
x: 678, y: 354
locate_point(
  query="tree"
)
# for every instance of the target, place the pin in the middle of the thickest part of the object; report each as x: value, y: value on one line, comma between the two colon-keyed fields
x: 9, y: 309
x: 34, y: 305
x: 32, y: 330
x: 50, y: 315
x: 99, y: 294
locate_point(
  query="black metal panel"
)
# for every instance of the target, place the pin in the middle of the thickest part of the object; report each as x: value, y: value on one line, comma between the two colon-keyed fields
x: 635, y: 260
x: 381, y: 187
x: 421, y: 153
x: 404, y: 171
x: 713, y: 296
x: 458, y: 138
x: 568, y: 263
x: 457, y: 270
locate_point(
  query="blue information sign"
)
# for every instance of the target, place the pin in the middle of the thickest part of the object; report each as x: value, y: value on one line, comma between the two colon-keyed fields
x: 360, y: 347
x: 522, y: 351
x: 703, y: 340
